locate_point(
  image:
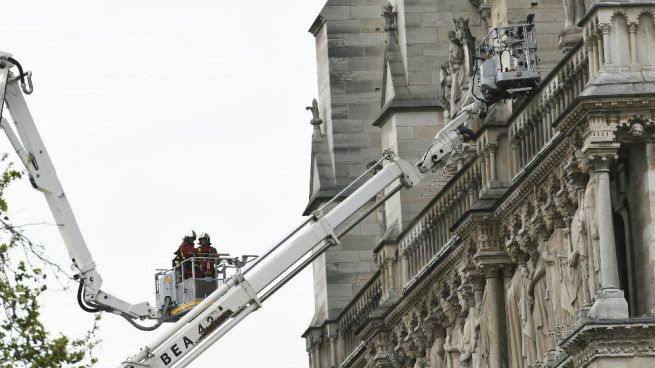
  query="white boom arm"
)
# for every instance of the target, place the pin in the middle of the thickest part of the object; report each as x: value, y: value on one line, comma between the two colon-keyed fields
x: 240, y: 295
x: 243, y: 294
x: 445, y: 140
x: 34, y: 156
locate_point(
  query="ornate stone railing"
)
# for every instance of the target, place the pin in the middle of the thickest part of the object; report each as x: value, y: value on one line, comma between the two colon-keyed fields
x: 531, y: 127
x: 357, y: 312
x: 426, y: 236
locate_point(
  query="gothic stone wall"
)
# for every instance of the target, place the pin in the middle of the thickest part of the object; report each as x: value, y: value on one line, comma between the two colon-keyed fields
x: 538, y: 250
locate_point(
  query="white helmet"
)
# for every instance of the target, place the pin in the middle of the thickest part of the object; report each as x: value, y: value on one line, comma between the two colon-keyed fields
x: 191, y: 235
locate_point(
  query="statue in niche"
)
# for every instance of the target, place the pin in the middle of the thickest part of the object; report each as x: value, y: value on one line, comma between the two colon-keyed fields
x: 542, y: 310
x: 574, y: 276
x: 453, y: 335
x: 463, y: 34
x: 437, y: 352
x: 555, y: 263
x: 485, y: 322
x: 455, y: 62
x: 574, y: 10
x: 520, y: 322
x: 468, y: 344
x: 591, y: 236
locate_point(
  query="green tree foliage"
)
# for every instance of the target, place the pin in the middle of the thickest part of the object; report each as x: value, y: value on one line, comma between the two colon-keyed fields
x: 24, y: 340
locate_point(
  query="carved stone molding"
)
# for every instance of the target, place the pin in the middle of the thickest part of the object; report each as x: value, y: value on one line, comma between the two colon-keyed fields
x: 592, y: 342
x: 601, y: 161
x: 491, y: 262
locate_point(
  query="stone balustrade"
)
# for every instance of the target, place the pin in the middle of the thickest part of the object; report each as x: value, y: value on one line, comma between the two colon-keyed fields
x: 532, y: 125
x: 357, y: 313
x: 430, y: 232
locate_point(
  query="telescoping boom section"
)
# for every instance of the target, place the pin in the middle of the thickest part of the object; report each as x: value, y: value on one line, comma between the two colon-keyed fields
x: 244, y: 293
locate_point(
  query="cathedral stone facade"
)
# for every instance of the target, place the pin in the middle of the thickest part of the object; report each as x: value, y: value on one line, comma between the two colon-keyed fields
x: 534, y: 246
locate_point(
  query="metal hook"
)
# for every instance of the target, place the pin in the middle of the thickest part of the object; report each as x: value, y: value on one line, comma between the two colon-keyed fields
x: 27, y: 88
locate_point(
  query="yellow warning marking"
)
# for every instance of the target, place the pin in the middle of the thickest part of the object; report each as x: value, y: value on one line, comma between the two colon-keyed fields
x: 185, y: 306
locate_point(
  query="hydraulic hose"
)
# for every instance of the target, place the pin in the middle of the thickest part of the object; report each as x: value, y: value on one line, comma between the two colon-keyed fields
x: 148, y: 328
x: 80, y: 300
x: 21, y: 75
x: 96, y: 308
x: 26, y: 86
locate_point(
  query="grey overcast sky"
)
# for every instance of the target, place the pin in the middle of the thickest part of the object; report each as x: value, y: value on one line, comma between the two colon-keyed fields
x: 164, y: 116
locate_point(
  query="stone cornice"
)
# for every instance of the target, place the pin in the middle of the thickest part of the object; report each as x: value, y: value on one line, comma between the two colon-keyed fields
x: 321, y: 196
x: 608, y: 4
x: 400, y: 105
x: 351, y: 360
x: 628, y: 338
x: 317, y: 25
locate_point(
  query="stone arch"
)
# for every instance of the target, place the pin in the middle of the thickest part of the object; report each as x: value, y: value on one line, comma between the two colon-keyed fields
x: 619, y: 35
x: 645, y: 39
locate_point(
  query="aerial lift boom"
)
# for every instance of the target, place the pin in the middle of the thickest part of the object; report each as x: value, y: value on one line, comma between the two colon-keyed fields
x: 241, y: 294
x: 244, y: 292
x: 34, y: 156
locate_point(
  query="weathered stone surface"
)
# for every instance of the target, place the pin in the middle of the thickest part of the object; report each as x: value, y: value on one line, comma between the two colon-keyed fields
x: 534, y: 244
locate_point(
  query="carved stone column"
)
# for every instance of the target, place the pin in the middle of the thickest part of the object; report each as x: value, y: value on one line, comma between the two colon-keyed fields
x: 605, y: 49
x: 404, y: 258
x: 513, y: 165
x: 632, y: 28
x: 310, y: 353
x: 493, y: 148
x: 332, y: 335
x: 490, y: 264
x: 318, y: 340
x: 589, y: 46
x: 610, y: 302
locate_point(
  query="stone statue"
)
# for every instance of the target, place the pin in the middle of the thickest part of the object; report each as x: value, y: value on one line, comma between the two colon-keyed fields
x: 520, y: 324
x: 542, y: 310
x: 591, y: 235
x: 453, y: 336
x: 576, y: 273
x: 574, y: 10
x: 463, y: 34
x: 455, y: 62
x: 556, y: 265
x: 637, y: 130
x: 316, y: 119
x: 437, y: 352
x: 468, y: 343
x: 481, y: 359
